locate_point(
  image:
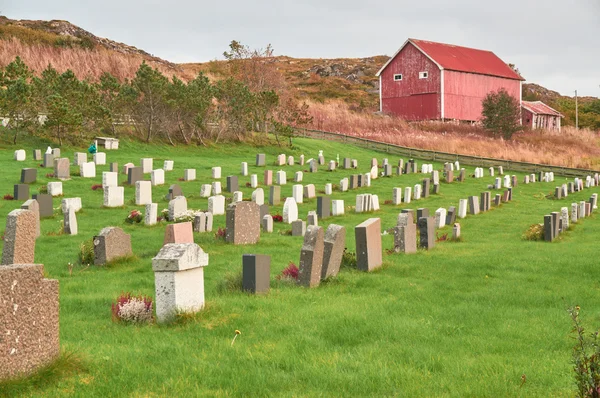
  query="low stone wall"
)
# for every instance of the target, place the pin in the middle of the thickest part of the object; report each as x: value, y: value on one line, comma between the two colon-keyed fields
x: 28, y: 319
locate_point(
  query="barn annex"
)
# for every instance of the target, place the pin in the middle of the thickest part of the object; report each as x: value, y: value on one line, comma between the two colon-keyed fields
x: 424, y: 80
x: 537, y: 115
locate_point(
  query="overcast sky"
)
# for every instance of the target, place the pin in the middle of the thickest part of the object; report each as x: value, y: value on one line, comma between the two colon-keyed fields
x: 555, y: 43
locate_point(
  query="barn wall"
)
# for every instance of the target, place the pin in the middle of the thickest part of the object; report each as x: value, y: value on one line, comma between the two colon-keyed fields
x: 463, y: 93
x: 526, y: 115
x: 411, y: 98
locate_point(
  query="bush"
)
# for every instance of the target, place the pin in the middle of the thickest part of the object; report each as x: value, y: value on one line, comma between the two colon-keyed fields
x: 290, y: 272
x: 86, y: 252
x: 8, y: 197
x: 348, y: 259
x: 96, y: 187
x: 501, y: 113
x: 586, y: 358
x: 132, y: 309
x: 220, y: 234
x: 277, y: 218
x: 135, y: 217
x: 534, y: 232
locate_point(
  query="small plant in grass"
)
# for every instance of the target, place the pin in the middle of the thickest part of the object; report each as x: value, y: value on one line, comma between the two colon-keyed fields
x: 220, y: 234
x: 441, y: 238
x: 132, y: 309
x: 232, y: 282
x: 348, y: 259
x: 43, y: 189
x: 290, y: 272
x: 181, y: 179
x: 586, y: 357
x: 135, y: 217
x: 86, y: 252
x: 8, y: 197
x: 248, y: 185
x: 388, y: 202
x: 50, y: 175
x: 165, y: 214
x: 286, y: 232
x: 534, y: 232
x: 96, y: 187
x: 277, y: 218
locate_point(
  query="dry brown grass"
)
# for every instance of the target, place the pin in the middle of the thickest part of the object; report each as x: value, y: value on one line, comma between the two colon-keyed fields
x: 570, y: 147
x: 84, y: 63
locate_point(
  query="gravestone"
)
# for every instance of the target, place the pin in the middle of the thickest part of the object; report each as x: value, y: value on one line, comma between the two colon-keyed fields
x: 456, y: 231
x: 268, y: 177
x: 243, y: 223
x: 62, y: 168
x: 45, y: 204
x: 290, y: 211
x: 253, y: 180
x: 37, y: 154
x: 205, y: 190
x: 274, y: 195
x: 368, y: 245
x: 258, y: 196
x: 323, y: 207
x: 310, y: 191
x: 298, y: 176
x: 19, y: 237
x: 337, y: 207
x: 177, y: 207
x: 110, y: 244
x: 396, y: 196
x: 451, y: 216
x: 473, y: 205
x: 405, y: 238
x: 344, y: 183
x: 564, y: 218
x: 99, y: 158
x: 333, y: 249
x: 449, y: 176
x: 216, y: 172
x: 462, y: 175
x: 298, y: 227
x: 28, y: 176
x: 312, y: 219
x: 426, y: 188
x: 407, y: 194
x: 55, y: 188
x: 232, y: 184
x: 174, y: 191
x: 151, y: 214
x: 143, y: 192
x: 260, y: 159
x: 79, y: 158
x: 199, y: 224
x: 168, y: 165
x: 244, y: 169
x: 134, y: 174
x: 297, y: 193
x: 548, y: 228
x: 347, y: 163
x: 256, y: 273
x: 264, y: 210
x: 179, y: 233
x: 267, y: 223
x: 56, y: 152
x: 189, y: 175
x: 21, y: 192
x: 114, y: 196
x: 114, y: 167
x: 49, y: 160
x: 311, y: 257
x: 146, y: 164
x: 109, y: 179
x: 280, y: 178
x: 440, y: 218
x: 422, y: 212
x: 328, y: 188
x: 87, y: 170
x: 216, y: 205
x: 179, y: 279
x: 70, y: 222
x: 426, y: 232
x: 216, y: 187
x: 157, y: 177
x: 462, y: 208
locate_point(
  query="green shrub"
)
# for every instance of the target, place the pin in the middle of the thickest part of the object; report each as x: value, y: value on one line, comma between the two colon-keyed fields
x: 586, y: 358
x: 86, y: 252
x: 534, y: 232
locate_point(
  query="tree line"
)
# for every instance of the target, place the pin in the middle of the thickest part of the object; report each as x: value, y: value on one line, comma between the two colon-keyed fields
x: 151, y: 105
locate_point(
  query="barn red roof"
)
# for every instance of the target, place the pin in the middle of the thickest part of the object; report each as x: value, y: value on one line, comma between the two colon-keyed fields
x: 462, y: 59
x: 539, y: 108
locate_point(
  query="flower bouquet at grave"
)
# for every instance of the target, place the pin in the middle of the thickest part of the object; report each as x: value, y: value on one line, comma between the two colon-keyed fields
x: 135, y: 217
x: 277, y: 218
x: 185, y: 217
x: 132, y: 309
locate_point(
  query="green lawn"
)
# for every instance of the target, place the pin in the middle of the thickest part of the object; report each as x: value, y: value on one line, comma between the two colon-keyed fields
x: 464, y: 319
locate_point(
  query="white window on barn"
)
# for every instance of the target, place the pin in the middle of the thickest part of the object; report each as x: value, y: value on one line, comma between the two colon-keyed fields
x: 423, y: 75
x: 398, y: 77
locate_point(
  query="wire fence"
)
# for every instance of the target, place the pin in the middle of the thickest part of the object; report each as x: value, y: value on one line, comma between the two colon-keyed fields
x: 435, y: 156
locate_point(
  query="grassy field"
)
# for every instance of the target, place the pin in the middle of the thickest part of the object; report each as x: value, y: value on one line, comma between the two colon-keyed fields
x: 464, y: 319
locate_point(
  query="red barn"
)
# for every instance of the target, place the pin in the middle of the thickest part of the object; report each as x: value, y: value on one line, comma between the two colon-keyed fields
x: 424, y: 80
x: 537, y: 115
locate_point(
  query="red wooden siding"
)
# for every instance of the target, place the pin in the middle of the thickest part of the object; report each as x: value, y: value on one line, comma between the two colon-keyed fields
x: 463, y: 93
x: 411, y: 98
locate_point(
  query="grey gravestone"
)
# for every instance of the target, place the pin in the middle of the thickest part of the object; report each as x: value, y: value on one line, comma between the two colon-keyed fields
x: 21, y: 192
x: 426, y: 184
x: 45, y: 202
x: 110, y: 244
x: 411, y: 212
x: 232, y: 184
x: 451, y: 215
x: 353, y: 181
x: 555, y: 223
x: 449, y: 176
x: 134, y: 174
x: 62, y: 168
x: 311, y: 257
x: 368, y: 245
x: 48, y: 160
x: 264, y: 210
x: 347, y: 163
x: 422, y: 212
x: 260, y: 159
x: 473, y: 205
x: 405, y: 238
x: 436, y: 189
x: 323, y: 207
x: 461, y: 176
x: 114, y: 167
x: 28, y: 176
x: 274, y: 195
x: 334, y: 244
x: 174, y: 191
x: 497, y: 200
x: 298, y: 228
x: 548, y: 230
x: 37, y: 154
x: 256, y: 273
x: 427, y: 232
x: 243, y: 223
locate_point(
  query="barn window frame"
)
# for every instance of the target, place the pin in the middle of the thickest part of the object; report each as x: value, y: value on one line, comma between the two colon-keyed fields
x: 398, y: 77
x: 424, y: 75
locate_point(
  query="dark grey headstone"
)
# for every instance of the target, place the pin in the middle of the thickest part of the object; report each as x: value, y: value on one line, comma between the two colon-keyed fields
x: 436, y: 189
x: 510, y: 192
x: 558, y: 193
x: 353, y: 181
x: 451, y: 215
x: 28, y: 176
x: 323, y: 207
x: 232, y: 184
x: 361, y: 179
x: 426, y: 185
x: 427, y: 232
x: 114, y: 167
x: 422, y: 212
x: 21, y: 192
x: 256, y: 272
x: 48, y: 160
x: 497, y: 200
x: 555, y: 227
x: 135, y: 174
x: 461, y: 175
x: 548, y: 230
x: 260, y: 159
x: 264, y: 210
x: 45, y: 202
x: 37, y: 154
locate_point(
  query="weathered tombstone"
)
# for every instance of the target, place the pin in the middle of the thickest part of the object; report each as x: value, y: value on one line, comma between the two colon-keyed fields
x: 313, y: 167
x: 168, y: 165
x: 299, y: 176
x: 109, y: 179
x: 114, y: 196
x: 28, y: 176
x: 405, y: 238
x: 396, y: 196
x: 243, y: 223
x: 216, y: 187
x: 347, y: 163
x: 143, y: 192
x: 564, y: 217
x: 456, y: 231
x: 462, y: 175
x: 260, y: 159
x: 436, y: 189
x: 274, y: 195
x: 49, y: 160
x: 258, y: 196
x: 55, y: 188
x: 426, y: 232
x: 216, y: 172
x: 157, y: 177
x: 37, y: 154
x: 298, y: 227
x: 174, y: 191
x: 134, y: 174
x: 333, y: 250
x: 199, y: 224
x: 189, y: 175
x: 205, y: 190
x: 232, y: 184
x: 368, y: 245
x: 30, y: 319
x: 451, y: 216
x: 290, y: 210
x: 312, y: 218
x: 237, y: 196
x: 99, y: 158
x: 151, y: 214
x: 45, y: 204
x: 256, y: 273
x: 179, y: 233
x: 19, y: 237
x: 574, y: 212
x: 70, y: 222
x: 473, y: 205
x: 449, y: 176
x: 548, y: 229
x: 21, y: 192
x: 79, y: 158
x: 267, y: 223
x: 56, y: 152
x: 407, y: 194
x: 310, y: 191
x: 216, y: 205
x: 179, y: 279
x: 112, y: 243
x: 297, y: 193
x: 177, y: 207
x: 280, y: 178
x: 323, y: 207
x: 440, y: 217
x: 268, y: 177
x: 337, y: 207
x: 311, y: 257
x: 353, y: 181
x: 462, y: 208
